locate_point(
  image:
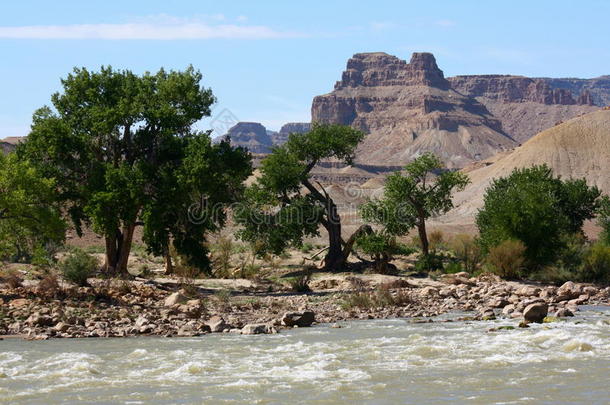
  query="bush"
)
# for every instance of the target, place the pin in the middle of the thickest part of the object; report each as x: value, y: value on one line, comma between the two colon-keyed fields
x: 453, y: 267
x: 79, y: 266
x: 300, y: 283
x: 507, y: 259
x: 596, y: 266
x: 306, y: 247
x: 12, y: 278
x: 436, y: 239
x: 467, y: 250
x: 429, y: 263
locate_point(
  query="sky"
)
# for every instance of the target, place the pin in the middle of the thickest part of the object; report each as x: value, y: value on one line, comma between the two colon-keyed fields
x: 265, y: 61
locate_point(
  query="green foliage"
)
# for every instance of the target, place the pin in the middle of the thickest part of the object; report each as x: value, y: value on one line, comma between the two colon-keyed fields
x: 507, y: 259
x: 307, y: 247
x: 30, y: 219
x: 428, y: 263
x: 277, y: 212
x: 411, y: 198
x: 123, y: 153
x: 596, y: 265
x: 453, y: 267
x: 533, y: 206
x: 467, y: 250
x: 78, y: 266
x: 603, y: 219
x: 380, y: 247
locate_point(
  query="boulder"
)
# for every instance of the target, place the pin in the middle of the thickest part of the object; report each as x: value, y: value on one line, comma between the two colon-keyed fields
x: 528, y: 291
x: 257, y: 328
x: 563, y: 312
x: 300, y: 319
x: 175, y: 298
x: 37, y: 319
x: 217, y: 324
x: 508, y: 309
x: 536, y: 312
x: 568, y: 291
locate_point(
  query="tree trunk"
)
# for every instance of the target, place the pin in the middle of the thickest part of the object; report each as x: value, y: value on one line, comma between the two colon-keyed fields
x: 423, y: 236
x: 169, y: 266
x: 117, y: 250
x: 335, y: 259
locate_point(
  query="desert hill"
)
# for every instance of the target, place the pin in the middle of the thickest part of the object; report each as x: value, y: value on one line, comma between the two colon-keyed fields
x: 578, y: 148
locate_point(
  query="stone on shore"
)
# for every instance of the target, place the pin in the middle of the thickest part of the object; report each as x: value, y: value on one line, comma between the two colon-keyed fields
x: 536, y: 312
x: 568, y: 291
x: 300, y: 319
x: 175, y: 298
x: 563, y: 312
x: 217, y: 324
x: 257, y: 329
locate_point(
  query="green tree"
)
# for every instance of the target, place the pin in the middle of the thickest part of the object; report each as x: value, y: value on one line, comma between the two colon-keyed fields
x: 536, y: 208
x: 423, y: 191
x: 603, y: 219
x: 122, y: 150
x: 29, y: 214
x: 284, y: 205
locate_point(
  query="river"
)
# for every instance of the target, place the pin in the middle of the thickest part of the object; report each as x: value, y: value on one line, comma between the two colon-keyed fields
x: 364, y: 362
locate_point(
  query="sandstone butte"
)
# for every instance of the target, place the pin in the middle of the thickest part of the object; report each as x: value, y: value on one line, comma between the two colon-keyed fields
x: 410, y: 108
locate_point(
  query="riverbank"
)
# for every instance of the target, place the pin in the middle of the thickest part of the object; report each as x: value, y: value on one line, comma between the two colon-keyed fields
x: 173, y: 307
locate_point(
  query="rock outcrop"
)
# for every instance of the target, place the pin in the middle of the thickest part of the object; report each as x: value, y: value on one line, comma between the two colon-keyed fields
x: 259, y: 140
x: 290, y: 128
x: 251, y: 135
x: 526, y: 106
x: 408, y: 109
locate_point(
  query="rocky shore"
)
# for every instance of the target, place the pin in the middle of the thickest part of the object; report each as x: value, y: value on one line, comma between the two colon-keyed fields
x: 148, y: 307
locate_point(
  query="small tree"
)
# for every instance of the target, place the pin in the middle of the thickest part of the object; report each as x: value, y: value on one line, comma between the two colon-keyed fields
x: 536, y: 208
x: 122, y: 150
x: 603, y: 219
x: 423, y: 191
x: 285, y: 205
x: 29, y: 214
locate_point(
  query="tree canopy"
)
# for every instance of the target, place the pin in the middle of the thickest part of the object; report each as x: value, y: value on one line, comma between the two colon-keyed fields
x: 123, y: 152
x: 29, y: 214
x: 286, y: 205
x: 537, y: 208
x: 410, y: 198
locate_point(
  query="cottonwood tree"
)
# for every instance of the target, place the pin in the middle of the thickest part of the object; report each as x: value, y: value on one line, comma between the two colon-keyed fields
x: 535, y: 207
x: 123, y: 153
x: 285, y: 205
x: 29, y: 214
x: 411, y: 197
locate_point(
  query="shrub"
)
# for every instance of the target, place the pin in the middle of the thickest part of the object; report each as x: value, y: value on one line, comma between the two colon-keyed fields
x: 12, y: 279
x: 78, y: 266
x: 507, y: 259
x: 307, y: 247
x: 453, y: 267
x: 300, y: 283
x: 596, y: 266
x: 467, y: 250
x: 221, y: 257
x: 603, y: 220
x: 49, y: 286
x: 436, y: 240
x: 429, y: 263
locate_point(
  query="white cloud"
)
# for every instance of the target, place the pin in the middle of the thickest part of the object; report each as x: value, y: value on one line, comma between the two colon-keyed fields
x: 160, y: 27
x: 445, y: 23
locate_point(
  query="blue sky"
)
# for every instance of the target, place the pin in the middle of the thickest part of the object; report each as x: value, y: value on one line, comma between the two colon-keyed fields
x: 265, y: 61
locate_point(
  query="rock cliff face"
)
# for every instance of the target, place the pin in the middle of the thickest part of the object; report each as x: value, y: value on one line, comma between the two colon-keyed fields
x: 258, y: 140
x: 290, y: 128
x: 598, y: 88
x: 526, y: 106
x: 408, y: 109
x: 251, y: 135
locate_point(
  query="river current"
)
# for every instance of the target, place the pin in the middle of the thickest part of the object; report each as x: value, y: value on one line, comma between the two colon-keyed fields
x: 364, y: 362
